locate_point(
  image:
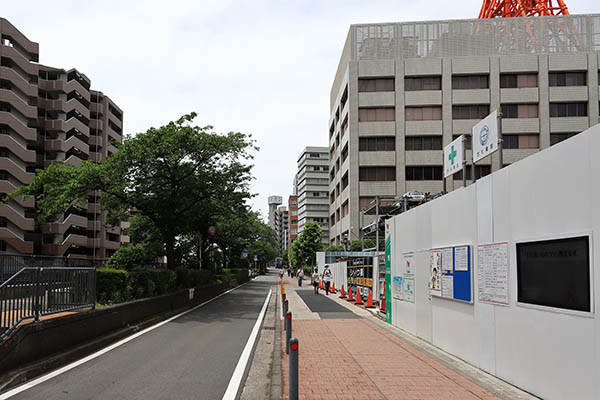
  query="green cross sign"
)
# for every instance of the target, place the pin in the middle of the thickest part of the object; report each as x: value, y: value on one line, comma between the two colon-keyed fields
x: 452, y: 155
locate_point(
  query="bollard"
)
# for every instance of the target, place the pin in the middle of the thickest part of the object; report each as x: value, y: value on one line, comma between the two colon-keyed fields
x: 283, y: 298
x: 285, y: 307
x: 288, y: 331
x: 293, y: 386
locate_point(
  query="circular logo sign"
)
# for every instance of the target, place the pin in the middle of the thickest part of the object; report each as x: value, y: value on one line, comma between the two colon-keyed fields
x: 484, y: 135
x: 212, y: 230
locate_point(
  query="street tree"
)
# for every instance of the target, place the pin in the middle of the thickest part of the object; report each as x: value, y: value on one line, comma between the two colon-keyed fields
x: 305, y: 247
x: 179, y: 176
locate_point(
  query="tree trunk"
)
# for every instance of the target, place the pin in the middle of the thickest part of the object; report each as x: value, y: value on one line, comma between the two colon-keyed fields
x: 170, y: 250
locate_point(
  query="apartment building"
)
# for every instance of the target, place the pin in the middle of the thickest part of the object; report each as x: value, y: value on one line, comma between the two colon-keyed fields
x: 274, y: 203
x: 402, y: 91
x: 293, y: 219
x: 313, y: 180
x: 281, y: 227
x: 49, y: 115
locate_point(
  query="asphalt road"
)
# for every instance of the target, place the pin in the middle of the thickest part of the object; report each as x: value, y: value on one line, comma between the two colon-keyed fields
x: 192, y: 357
x: 327, y: 308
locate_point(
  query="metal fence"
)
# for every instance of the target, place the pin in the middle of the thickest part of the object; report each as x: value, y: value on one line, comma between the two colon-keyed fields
x: 11, y: 264
x: 35, y: 292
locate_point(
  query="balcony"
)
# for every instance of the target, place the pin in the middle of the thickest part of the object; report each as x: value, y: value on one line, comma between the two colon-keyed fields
x: 97, y: 108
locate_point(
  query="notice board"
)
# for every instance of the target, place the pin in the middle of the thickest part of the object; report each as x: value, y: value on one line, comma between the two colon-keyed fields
x: 492, y: 261
x: 451, y: 273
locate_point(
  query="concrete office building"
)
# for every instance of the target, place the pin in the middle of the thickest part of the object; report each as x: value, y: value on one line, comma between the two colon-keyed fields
x: 402, y: 91
x: 313, y: 179
x: 48, y: 115
x: 293, y: 219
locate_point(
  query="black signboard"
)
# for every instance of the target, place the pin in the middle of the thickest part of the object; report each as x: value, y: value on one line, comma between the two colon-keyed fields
x: 555, y: 273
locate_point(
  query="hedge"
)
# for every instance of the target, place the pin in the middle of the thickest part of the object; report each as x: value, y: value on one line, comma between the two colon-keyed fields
x: 118, y: 285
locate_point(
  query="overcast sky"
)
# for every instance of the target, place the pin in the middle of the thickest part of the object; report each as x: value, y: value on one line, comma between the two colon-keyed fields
x: 259, y: 67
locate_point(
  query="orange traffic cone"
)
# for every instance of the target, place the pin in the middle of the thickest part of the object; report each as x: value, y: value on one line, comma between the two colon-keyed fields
x: 350, y: 294
x: 332, y: 288
x: 358, y: 297
x: 342, y: 293
x: 369, y: 301
x: 383, y: 302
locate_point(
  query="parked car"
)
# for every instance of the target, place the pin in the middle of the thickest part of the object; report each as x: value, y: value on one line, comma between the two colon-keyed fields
x: 414, y: 197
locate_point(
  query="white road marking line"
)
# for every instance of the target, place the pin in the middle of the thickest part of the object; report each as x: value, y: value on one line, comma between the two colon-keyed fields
x: 238, y: 373
x: 77, y: 363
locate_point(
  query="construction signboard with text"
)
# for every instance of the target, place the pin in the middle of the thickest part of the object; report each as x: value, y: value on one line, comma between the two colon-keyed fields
x: 360, y: 274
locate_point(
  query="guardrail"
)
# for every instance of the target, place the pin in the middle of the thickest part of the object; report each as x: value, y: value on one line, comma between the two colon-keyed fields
x: 34, y: 292
x: 10, y: 264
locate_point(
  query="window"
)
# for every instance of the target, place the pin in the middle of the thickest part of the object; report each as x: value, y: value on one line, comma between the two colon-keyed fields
x: 519, y: 110
x: 518, y: 81
x: 423, y: 143
x: 345, y: 153
x: 379, y: 143
x: 480, y: 172
x: 5, y: 107
x: 423, y: 83
x: 345, y: 181
x: 568, y: 109
x: 476, y: 111
x: 3, y: 222
x: 470, y: 82
x: 344, y: 209
x: 520, y: 142
x: 376, y: 114
x: 424, y: 173
x: 3, y: 175
x: 376, y: 85
x: 363, y: 201
x: 555, y: 273
x: 377, y: 174
x: 559, y: 137
x: 2, y: 245
x: 423, y: 113
x: 332, y: 220
x: 567, y: 78
x: 468, y: 143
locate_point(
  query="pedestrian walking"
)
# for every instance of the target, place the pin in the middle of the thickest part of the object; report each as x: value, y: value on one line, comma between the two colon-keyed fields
x: 315, y: 281
x: 327, y: 277
x: 289, y: 272
x: 300, y: 276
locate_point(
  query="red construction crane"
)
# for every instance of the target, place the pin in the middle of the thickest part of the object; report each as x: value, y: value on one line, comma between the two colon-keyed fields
x: 521, y: 8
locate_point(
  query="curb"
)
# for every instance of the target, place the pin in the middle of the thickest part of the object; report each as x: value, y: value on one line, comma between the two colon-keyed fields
x: 276, y: 373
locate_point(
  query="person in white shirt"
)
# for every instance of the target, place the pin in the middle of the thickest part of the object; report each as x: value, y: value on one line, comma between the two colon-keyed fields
x: 315, y: 280
x: 327, y: 277
x: 300, y: 275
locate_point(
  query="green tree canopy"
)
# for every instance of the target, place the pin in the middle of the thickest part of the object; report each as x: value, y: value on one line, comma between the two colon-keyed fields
x: 179, y: 177
x: 305, y: 247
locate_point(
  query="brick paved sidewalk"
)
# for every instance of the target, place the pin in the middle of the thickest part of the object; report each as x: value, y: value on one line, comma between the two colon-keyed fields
x: 357, y: 359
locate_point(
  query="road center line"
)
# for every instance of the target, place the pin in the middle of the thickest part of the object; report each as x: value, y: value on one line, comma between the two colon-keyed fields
x: 97, y: 354
x: 240, y: 368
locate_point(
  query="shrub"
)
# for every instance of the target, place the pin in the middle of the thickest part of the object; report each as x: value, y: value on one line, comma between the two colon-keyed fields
x: 129, y: 258
x: 112, y: 285
x: 193, y: 278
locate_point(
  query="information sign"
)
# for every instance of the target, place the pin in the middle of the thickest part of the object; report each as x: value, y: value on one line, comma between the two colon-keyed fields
x: 492, y: 260
x: 454, y: 156
x: 485, y: 136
